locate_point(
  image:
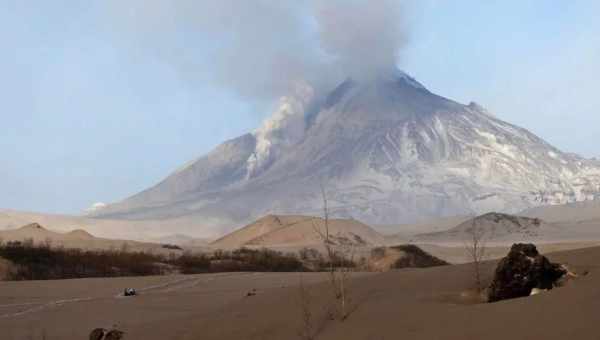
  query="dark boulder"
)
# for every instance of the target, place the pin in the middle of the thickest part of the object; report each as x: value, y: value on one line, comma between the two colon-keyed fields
x: 522, y: 270
x: 98, y: 334
x: 114, y: 335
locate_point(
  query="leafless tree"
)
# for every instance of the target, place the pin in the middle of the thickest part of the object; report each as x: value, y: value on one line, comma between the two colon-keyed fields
x: 339, y: 257
x: 475, y: 246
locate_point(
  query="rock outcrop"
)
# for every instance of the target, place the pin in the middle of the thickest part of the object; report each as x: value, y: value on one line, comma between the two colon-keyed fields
x: 521, y: 271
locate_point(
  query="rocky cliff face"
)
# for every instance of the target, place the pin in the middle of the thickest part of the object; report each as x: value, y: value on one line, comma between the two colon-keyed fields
x: 387, y: 151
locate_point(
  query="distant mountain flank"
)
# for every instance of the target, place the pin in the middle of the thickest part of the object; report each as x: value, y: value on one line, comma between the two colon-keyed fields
x: 387, y: 150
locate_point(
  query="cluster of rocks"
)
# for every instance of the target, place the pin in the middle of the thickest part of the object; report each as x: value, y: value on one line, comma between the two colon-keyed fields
x: 522, y: 272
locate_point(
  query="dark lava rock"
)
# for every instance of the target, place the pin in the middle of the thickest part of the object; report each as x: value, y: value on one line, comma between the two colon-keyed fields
x: 114, y: 335
x: 97, y: 334
x: 522, y: 270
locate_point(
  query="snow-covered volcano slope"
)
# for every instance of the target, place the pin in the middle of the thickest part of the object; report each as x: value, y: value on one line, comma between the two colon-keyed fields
x: 388, y: 151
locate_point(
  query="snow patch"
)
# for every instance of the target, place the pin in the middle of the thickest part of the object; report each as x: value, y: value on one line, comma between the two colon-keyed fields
x: 494, y: 144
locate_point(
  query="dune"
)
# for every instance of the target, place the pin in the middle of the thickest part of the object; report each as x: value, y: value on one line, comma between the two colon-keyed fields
x: 280, y: 231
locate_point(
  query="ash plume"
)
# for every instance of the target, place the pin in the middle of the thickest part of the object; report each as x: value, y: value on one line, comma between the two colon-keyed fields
x: 364, y: 37
x: 261, y: 50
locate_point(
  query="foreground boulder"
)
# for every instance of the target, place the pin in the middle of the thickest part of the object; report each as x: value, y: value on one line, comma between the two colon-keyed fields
x: 522, y: 270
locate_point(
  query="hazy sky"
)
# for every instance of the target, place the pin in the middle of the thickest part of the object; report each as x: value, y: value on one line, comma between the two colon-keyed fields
x: 99, y: 101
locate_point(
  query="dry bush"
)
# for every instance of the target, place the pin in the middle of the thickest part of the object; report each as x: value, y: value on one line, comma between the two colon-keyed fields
x: 340, y: 262
x: 476, y: 238
x: 245, y: 259
x: 42, y: 262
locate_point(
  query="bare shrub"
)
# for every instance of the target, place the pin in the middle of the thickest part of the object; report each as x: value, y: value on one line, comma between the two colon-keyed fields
x: 340, y: 258
x: 475, y: 241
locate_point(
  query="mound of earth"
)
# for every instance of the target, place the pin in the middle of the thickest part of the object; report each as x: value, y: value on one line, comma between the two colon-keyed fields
x: 402, y: 256
x: 415, y: 257
x: 79, y: 234
x: 495, y: 228
x: 299, y: 231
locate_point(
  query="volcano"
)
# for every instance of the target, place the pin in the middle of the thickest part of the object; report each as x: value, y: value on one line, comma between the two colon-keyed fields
x: 386, y: 151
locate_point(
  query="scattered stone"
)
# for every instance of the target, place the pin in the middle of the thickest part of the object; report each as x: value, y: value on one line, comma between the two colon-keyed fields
x: 521, y: 271
x: 129, y: 292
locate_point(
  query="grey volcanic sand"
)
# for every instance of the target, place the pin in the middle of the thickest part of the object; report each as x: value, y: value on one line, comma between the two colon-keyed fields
x: 432, y: 303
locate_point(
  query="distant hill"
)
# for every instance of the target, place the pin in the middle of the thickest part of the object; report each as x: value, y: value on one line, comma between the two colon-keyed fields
x: 75, y: 239
x: 298, y: 231
x: 146, y: 231
x: 498, y: 228
x: 572, y: 213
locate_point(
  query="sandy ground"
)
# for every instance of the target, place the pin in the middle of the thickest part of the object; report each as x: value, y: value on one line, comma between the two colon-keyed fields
x: 427, y: 304
x: 168, y: 307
